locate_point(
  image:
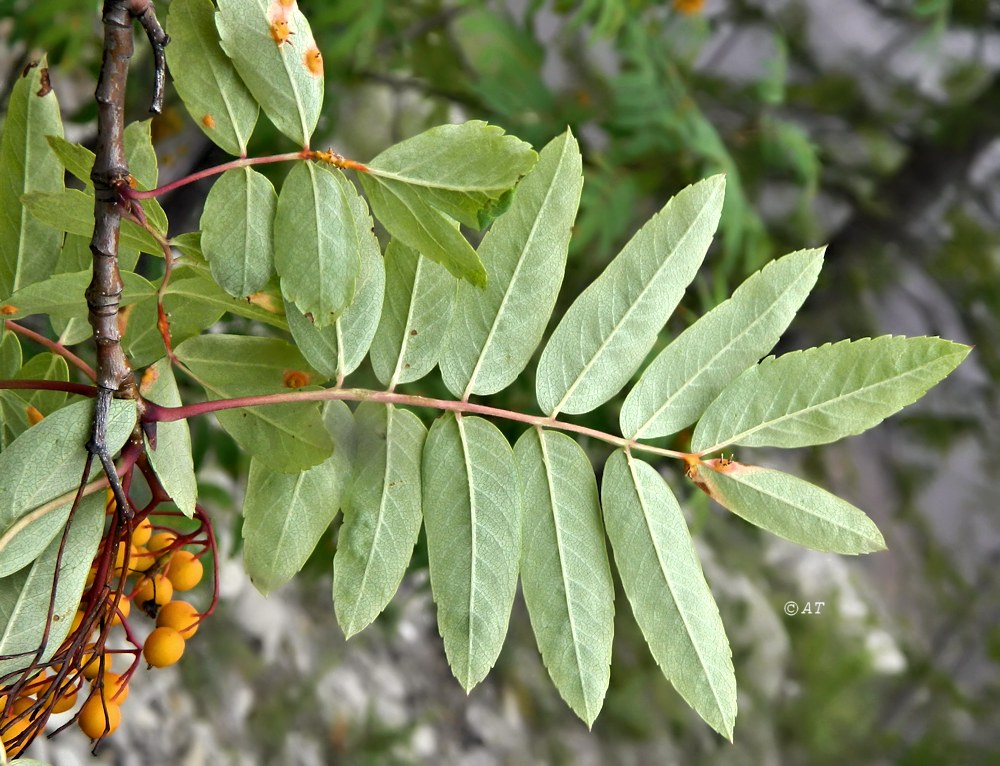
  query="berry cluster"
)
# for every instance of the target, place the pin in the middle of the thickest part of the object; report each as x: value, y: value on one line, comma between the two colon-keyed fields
x: 139, y: 568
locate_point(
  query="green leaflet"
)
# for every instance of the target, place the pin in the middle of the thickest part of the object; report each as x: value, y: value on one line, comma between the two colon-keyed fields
x: 607, y: 332
x: 10, y: 353
x: 237, y: 231
x: 677, y: 387
x: 465, y: 171
x: 42, y: 464
x: 338, y: 350
x: 670, y: 599
x: 14, y: 403
x: 172, y: 459
x: 322, y: 230
x: 286, y: 514
x: 565, y: 572
x: 77, y: 159
x: 72, y: 211
x: 206, y: 79
x: 472, y: 518
x: 273, y: 49
x: 285, y: 437
x: 823, y: 394
x: 408, y: 217
x: 25, y: 595
x: 62, y: 295
x: 381, y: 514
x: 792, y: 508
x: 419, y: 296
x: 261, y: 307
x: 28, y: 248
x: 142, y: 340
x: 494, y: 332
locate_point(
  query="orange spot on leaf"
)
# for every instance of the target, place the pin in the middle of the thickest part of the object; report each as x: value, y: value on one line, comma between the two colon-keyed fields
x: 689, y: 7
x: 314, y: 61
x: 9, y: 310
x: 280, y: 31
x: 295, y: 379
x: 208, y: 121
x: 264, y: 301
x: 149, y: 376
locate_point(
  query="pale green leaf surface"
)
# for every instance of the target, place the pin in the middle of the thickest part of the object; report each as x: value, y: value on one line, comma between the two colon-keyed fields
x: 663, y: 580
x: 25, y: 595
x: 206, y: 79
x: 565, y: 574
x: 44, y: 366
x: 143, y: 341
x: 44, y: 463
x: 684, y: 378
x: 792, y: 508
x: 607, y: 332
x: 261, y: 307
x: 463, y: 170
x: 76, y: 159
x: 286, y: 514
x: 495, y: 330
x: 284, y: 78
x: 408, y: 217
x: 472, y: 518
x: 322, y: 232
x: 72, y: 211
x: 28, y: 248
x: 285, y: 437
x: 339, y: 349
x: 823, y: 394
x: 172, y: 459
x: 62, y: 295
x: 419, y: 298
x: 237, y: 231
x: 10, y: 353
x: 381, y: 514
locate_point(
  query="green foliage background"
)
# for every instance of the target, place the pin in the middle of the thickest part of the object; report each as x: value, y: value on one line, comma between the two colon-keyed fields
x: 883, y: 155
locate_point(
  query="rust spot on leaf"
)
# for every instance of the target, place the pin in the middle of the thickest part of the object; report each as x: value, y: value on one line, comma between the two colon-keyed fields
x: 8, y: 310
x: 689, y: 7
x: 280, y: 31
x: 412, y: 333
x: 295, y: 379
x: 208, y: 121
x: 149, y: 376
x: 28, y: 67
x: 34, y: 416
x: 314, y: 61
x: 46, y: 86
x: 265, y: 301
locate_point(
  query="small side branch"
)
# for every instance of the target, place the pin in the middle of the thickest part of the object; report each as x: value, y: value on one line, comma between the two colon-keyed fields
x: 158, y: 39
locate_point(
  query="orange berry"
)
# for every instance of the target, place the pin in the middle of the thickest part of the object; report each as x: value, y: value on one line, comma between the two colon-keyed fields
x: 163, y: 647
x: 65, y: 700
x: 99, y: 718
x: 91, y: 664
x: 153, y: 592
x: 181, y: 616
x: 185, y: 571
x: 19, y: 726
x: 143, y: 560
x: 122, y: 613
x: 115, y: 688
x: 160, y: 541
x: 142, y: 532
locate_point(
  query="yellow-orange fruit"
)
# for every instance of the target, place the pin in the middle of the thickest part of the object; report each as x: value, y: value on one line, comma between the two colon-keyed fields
x: 124, y: 608
x: 133, y: 552
x: 181, y: 616
x: 163, y: 647
x: 91, y: 664
x: 156, y: 590
x: 17, y: 728
x: 65, y: 700
x: 99, y: 718
x: 160, y: 541
x: 142, y: 560
x: 142, y: 533
x: 185, y: 571
x: 115, y: 688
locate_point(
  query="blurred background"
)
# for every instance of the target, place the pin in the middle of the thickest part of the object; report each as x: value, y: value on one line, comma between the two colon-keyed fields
x: 873, y: 127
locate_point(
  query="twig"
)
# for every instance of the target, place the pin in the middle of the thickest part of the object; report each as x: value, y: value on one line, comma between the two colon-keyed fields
x: 53, y: 346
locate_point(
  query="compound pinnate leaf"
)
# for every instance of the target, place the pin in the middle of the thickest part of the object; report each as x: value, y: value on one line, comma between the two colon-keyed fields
x: 823, y: 394
x: 338, y: 349
x: 25, y: 596
x: 688, y: 374
x: 465, y: 171
x: 237, y: 231
x: 285, y: 437
x: 419, y: 299
x: 171, y: 458
x: 790, y: 507
x: 409, y: 217
x: 42, y: 464
x: 286, y: 514
x: 494, y: 332
x: 664, y: 583
x: 565, y: 572
x: 205, y: 77
x: 28, y: 248
x: 381, y: 514
x: 607, y: 332
x: 472, y: 516
x: 272, y: 47
x: 322, y: 230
